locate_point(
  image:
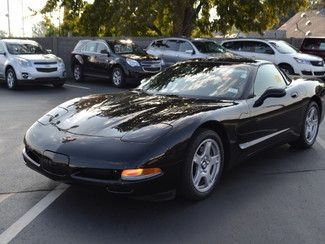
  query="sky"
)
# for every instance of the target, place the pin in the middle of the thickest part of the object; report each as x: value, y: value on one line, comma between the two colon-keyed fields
x: 19, y: 10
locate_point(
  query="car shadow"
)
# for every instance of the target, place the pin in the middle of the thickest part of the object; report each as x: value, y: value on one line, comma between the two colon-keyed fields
x: 258, y: 201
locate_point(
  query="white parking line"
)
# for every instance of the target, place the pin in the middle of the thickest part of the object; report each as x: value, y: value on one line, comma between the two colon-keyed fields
x: 28, y: 217
x: 4, y: 197
x: 80, y: 87
x: 321, y: 142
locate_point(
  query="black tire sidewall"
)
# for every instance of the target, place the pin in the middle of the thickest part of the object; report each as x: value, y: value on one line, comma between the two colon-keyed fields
x: 186, y: 187
x: 288, y: 68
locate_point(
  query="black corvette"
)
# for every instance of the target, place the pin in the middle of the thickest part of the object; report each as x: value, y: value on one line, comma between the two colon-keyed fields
x: 179, y: 130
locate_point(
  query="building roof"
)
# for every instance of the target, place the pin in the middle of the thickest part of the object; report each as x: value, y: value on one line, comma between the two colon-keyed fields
x: 296, y: 26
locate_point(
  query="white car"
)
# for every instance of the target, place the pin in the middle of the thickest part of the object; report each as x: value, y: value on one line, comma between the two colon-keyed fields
x: 25, y: 61
x: 280, y: 53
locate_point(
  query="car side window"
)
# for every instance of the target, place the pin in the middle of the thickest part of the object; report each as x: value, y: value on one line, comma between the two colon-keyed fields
x: 267, y: 76
x: 159, y: 44
x: 90, y: 47
x: 2, y: 49
x: 261, y: 47
x: 185, y: 46
x: 235, y: 46
x: 172, y: 45
x: 101, y: 47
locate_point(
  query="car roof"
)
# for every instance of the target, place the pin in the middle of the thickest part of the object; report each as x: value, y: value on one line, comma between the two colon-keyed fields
x: 185, y: 39
x: 18, y: 40
x: 248, y: 39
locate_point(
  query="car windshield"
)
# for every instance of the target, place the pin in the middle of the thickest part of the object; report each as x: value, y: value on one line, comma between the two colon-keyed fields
x: 208, y: 47
x: 208, y: 80
x: 24, y: 48
x: 127, y: 48
x: 283, y: 47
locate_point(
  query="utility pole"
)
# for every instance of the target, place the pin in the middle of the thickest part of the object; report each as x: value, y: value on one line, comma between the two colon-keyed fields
x: 23, y: 17
x: 8, y: 15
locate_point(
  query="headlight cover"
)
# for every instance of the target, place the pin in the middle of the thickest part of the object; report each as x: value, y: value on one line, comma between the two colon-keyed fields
x: 147, y: 134
x: 132, y: 62
x: 23, y: 62
x: 302, y: 61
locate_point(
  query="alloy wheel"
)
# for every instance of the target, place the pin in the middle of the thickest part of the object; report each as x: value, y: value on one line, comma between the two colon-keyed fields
x: 206, y: 165
x: 117, y: 77
x: 10, y: 79
x: 77, y: 72
x: 311, y: 124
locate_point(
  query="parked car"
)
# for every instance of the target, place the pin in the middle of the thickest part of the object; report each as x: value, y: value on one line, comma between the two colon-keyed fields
x: 281, y: 53
x: 25, y: 61
x: 314, y: 46
x: 121, y: 61
x: 180, y: 129
x: 173, y: 50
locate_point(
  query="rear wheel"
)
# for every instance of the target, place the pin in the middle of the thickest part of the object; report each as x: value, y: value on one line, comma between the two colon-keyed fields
x: 77, y: 73
x: 287, y: 69
x: 203, y: 166
x: 310, y: 127
x: 118, y: 77
x: 11, y: 79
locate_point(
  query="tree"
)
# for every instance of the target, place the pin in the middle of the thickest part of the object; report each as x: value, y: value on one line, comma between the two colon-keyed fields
x: 3, y: 33
x: 45, y: 28
x: 170, y: 17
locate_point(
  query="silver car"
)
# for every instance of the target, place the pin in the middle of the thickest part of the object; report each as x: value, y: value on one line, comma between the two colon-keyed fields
x: 173, y: 50
x: 25, y: 61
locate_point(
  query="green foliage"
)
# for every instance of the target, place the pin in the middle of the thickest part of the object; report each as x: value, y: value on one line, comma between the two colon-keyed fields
x: 3, y: 33
x: 170, y: 17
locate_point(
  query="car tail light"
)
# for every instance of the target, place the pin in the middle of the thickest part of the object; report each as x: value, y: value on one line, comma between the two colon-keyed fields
x: 139, y: 174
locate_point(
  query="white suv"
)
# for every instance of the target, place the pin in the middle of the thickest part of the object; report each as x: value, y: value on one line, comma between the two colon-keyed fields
x: 25, y: 61
x: 281, y: 53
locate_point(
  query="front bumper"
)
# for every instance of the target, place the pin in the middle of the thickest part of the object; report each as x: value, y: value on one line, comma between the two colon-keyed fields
x: 136, y: 74
x: 108, y: 178
x: 310, y: 71
x: 40, y: 74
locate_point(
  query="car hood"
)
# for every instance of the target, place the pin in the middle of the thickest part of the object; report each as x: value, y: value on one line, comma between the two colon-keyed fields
x: 39, y: 57
x: 129, y: 115
x: 140, y: 57
x: 306, y: 57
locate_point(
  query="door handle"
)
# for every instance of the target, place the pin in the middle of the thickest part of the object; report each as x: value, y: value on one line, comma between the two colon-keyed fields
x: 294, y: 95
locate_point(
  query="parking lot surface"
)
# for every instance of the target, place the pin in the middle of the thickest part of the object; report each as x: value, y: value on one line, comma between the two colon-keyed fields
x: 275, y: 197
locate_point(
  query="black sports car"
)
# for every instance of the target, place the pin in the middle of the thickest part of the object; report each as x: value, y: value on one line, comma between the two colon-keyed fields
x: 120, y: 61
x: 180, y: 129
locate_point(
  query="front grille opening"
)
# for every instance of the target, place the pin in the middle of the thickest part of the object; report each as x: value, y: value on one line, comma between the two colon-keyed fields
x: 46, y: 70
x: 101, y: 174
x: 33, y: 155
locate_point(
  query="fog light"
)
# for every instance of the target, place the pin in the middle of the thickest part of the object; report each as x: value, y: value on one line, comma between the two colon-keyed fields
x: 24, y: 75
x: 139, y: 174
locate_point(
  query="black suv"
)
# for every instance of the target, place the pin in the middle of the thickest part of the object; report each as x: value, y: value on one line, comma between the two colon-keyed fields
x: 121, y: 61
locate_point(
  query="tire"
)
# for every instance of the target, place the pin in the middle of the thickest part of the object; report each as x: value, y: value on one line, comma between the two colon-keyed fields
x: 310, y: 127
x: 11, y: 79
x: 287, y: 69
x: 118, y: 77
x: 78, y: 73
x: 202, y: 169
x: 58, y: 84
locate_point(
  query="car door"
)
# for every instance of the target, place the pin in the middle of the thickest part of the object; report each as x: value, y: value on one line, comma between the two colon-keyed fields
x: 185, y: 51
x: 2, y: 60
x: 171, y: 51
x: 89, y: 53
x: 274, y: 120
x: 262, y: 51
x: 102, y: 59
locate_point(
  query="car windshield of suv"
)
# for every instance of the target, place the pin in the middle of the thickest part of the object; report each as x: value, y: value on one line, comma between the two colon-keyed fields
x: 24, y: 48
x: 208, y: 47
x: 283, y: 47
x: 206, y: 80
x: 128, y: 48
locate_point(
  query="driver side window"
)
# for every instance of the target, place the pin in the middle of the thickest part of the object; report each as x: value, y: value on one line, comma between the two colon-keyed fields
x: 267, y: 76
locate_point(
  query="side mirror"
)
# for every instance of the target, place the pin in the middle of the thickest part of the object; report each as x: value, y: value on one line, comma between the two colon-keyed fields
x: 104, y: 52
x: 271, y: 92
x: 49, y: 51
x: 190, y: 52
x: 4, y: 54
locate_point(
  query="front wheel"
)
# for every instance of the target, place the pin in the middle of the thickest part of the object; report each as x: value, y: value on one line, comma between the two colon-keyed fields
x: 118, y: 77
x: 77, y: 73
x: 203, y: 166
x: 11, y: 79
x: 286, y: 68
x: 310, y: 127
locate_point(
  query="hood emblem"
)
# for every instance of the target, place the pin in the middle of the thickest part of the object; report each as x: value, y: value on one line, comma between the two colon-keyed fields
x: 68, y: 139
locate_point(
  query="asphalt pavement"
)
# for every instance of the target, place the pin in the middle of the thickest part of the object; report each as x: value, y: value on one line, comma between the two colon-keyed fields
x: 275, y: 197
